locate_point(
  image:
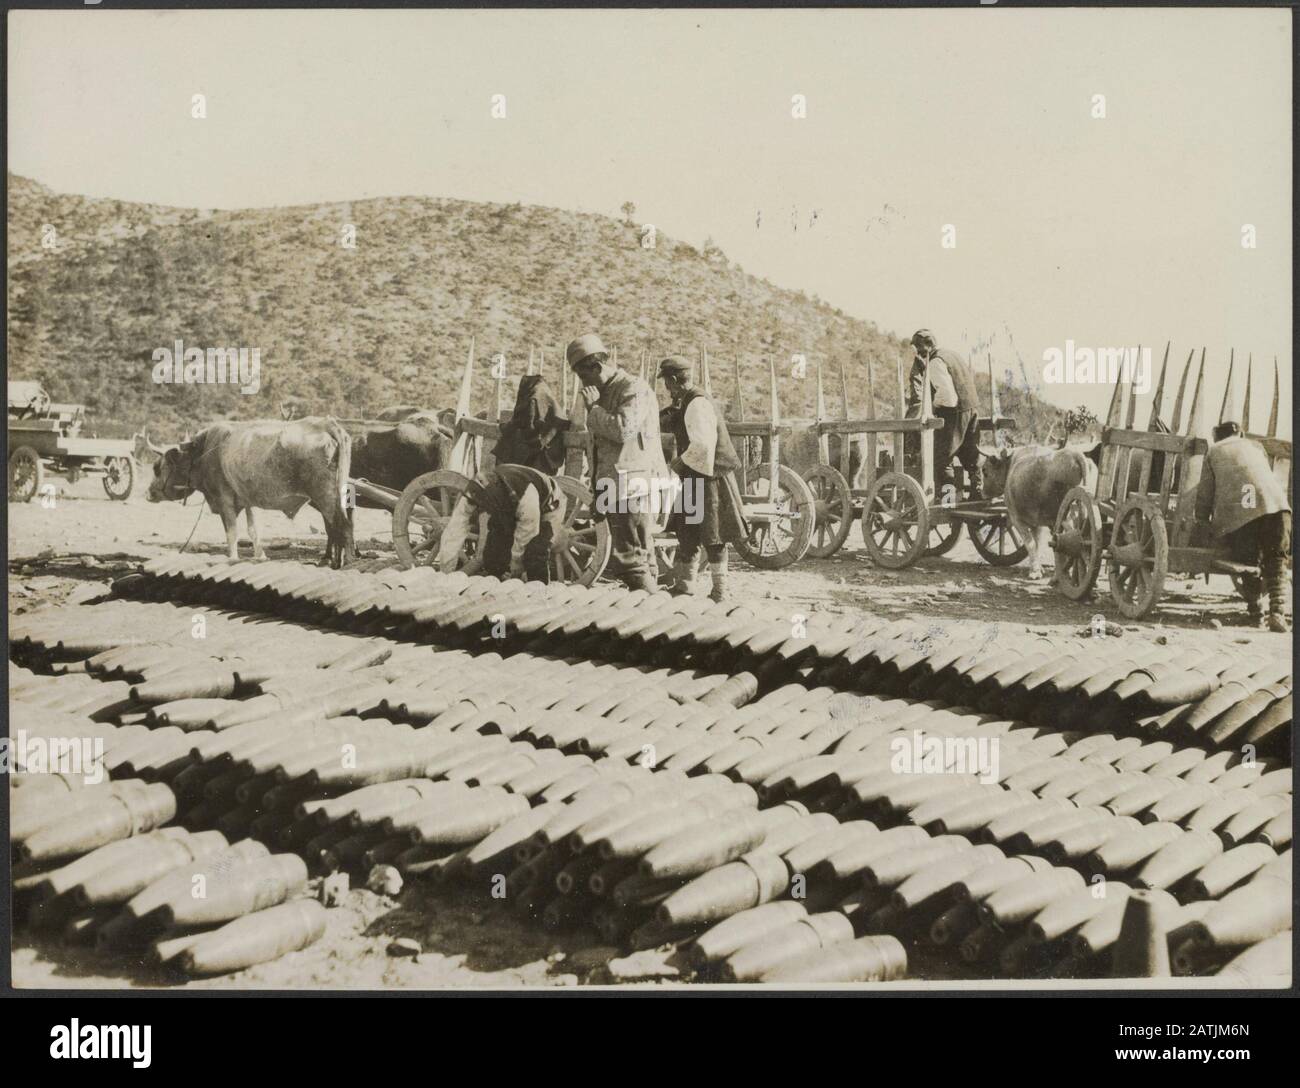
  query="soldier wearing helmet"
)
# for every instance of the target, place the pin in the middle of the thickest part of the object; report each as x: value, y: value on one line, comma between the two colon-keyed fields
x: 628, y: 464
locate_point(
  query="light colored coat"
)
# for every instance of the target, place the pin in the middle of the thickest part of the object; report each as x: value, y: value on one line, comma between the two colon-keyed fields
x: 625, y: 425
x: 1237, y: 486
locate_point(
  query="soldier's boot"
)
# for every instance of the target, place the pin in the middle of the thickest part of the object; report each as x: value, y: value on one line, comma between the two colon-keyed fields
x: 683, y: 578
x: 718, y: 572
x: 1251, y: 587
x: 1275, y: 583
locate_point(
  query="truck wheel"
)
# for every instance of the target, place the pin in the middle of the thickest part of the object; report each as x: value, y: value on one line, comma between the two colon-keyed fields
x: 26, y: 474
x: 119, y: 478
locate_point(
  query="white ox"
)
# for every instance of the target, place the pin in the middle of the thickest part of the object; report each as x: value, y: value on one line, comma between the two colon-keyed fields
x: 268, y: 464
x: 1035, y: 481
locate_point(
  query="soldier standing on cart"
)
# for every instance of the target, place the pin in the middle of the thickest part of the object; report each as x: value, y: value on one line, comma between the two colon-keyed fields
x: 955, y: 403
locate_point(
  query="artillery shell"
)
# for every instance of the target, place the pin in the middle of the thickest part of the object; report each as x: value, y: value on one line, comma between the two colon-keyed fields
x: 756, y: 958
x: 726, y: 890
x: 256, y: 938
x: 1021, y: 899
x: 723, y: 839
x: 113, y: 817
x: 1178, y: 858
x: 745, y: 928
x: 247, y: 887
x: 1246, y: 916
x: 1227, y: 870
x: 867, y: 959
x: 1069, y: 912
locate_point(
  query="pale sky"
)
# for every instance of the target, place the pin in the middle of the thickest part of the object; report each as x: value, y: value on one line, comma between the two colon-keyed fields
x: 1107, y: 232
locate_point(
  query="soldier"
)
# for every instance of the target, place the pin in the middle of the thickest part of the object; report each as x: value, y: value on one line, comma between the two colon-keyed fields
x: 524, y: 512
x: 1248, y: 509
x: 628, y: 468
x: 706, y: 461
x: 955, y: 403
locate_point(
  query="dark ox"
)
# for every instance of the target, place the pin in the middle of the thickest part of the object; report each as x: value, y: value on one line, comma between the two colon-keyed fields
x: 1035, y: 480
x: 392, y: 456
x: 1135, y: 465
x: 264, y: 464
x: 398, y: 413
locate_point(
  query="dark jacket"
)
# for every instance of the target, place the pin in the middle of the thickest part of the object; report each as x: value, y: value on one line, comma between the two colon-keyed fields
x: 534, y: 434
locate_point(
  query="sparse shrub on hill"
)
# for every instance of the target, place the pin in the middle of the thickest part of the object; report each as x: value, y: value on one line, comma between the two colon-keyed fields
x: 351, y: 330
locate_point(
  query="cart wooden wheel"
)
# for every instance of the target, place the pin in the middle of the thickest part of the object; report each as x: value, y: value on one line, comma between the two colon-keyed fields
x: 895, y: 521
x: 26, y: 474
x: 833, y: 500
x: 119, y: 478
x: 943, y: 536
x: 421, y: 514
x: 781, y: 524
x: 1139, y: 557
x: 997, y: 541
x: 1077, y: 544
x: 581, y: 547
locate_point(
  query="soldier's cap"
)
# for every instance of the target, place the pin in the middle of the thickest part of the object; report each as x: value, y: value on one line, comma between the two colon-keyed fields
x: 676, y: 366
x: 923, y: 338
x: 584, y: 348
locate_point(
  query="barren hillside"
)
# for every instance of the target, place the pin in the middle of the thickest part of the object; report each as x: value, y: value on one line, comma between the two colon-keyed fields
x: 353, y: 329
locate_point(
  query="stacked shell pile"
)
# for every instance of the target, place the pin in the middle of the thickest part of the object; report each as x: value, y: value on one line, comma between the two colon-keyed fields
x: 837, y: 804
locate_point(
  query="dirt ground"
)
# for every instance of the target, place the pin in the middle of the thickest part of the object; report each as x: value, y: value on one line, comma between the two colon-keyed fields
x: 71, y: 549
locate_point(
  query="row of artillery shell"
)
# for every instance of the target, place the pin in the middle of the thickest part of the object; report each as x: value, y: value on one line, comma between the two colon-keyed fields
x: 943, y: 793
x: 411, y: 683
x: 776, y: 758
x: 155, y: 665
x: 1220, y: 698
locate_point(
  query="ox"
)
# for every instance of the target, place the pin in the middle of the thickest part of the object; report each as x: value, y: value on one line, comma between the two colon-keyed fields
x: 394, y: 455
x: 1035, y: 480
x: 1135, y: 465
x: 398, y: 412
x: 271, y: 465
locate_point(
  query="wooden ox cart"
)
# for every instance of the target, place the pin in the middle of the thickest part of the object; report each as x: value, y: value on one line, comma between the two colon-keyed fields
x: 900, y: 519
x: 777, y: 503
x: 1143, y: 523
